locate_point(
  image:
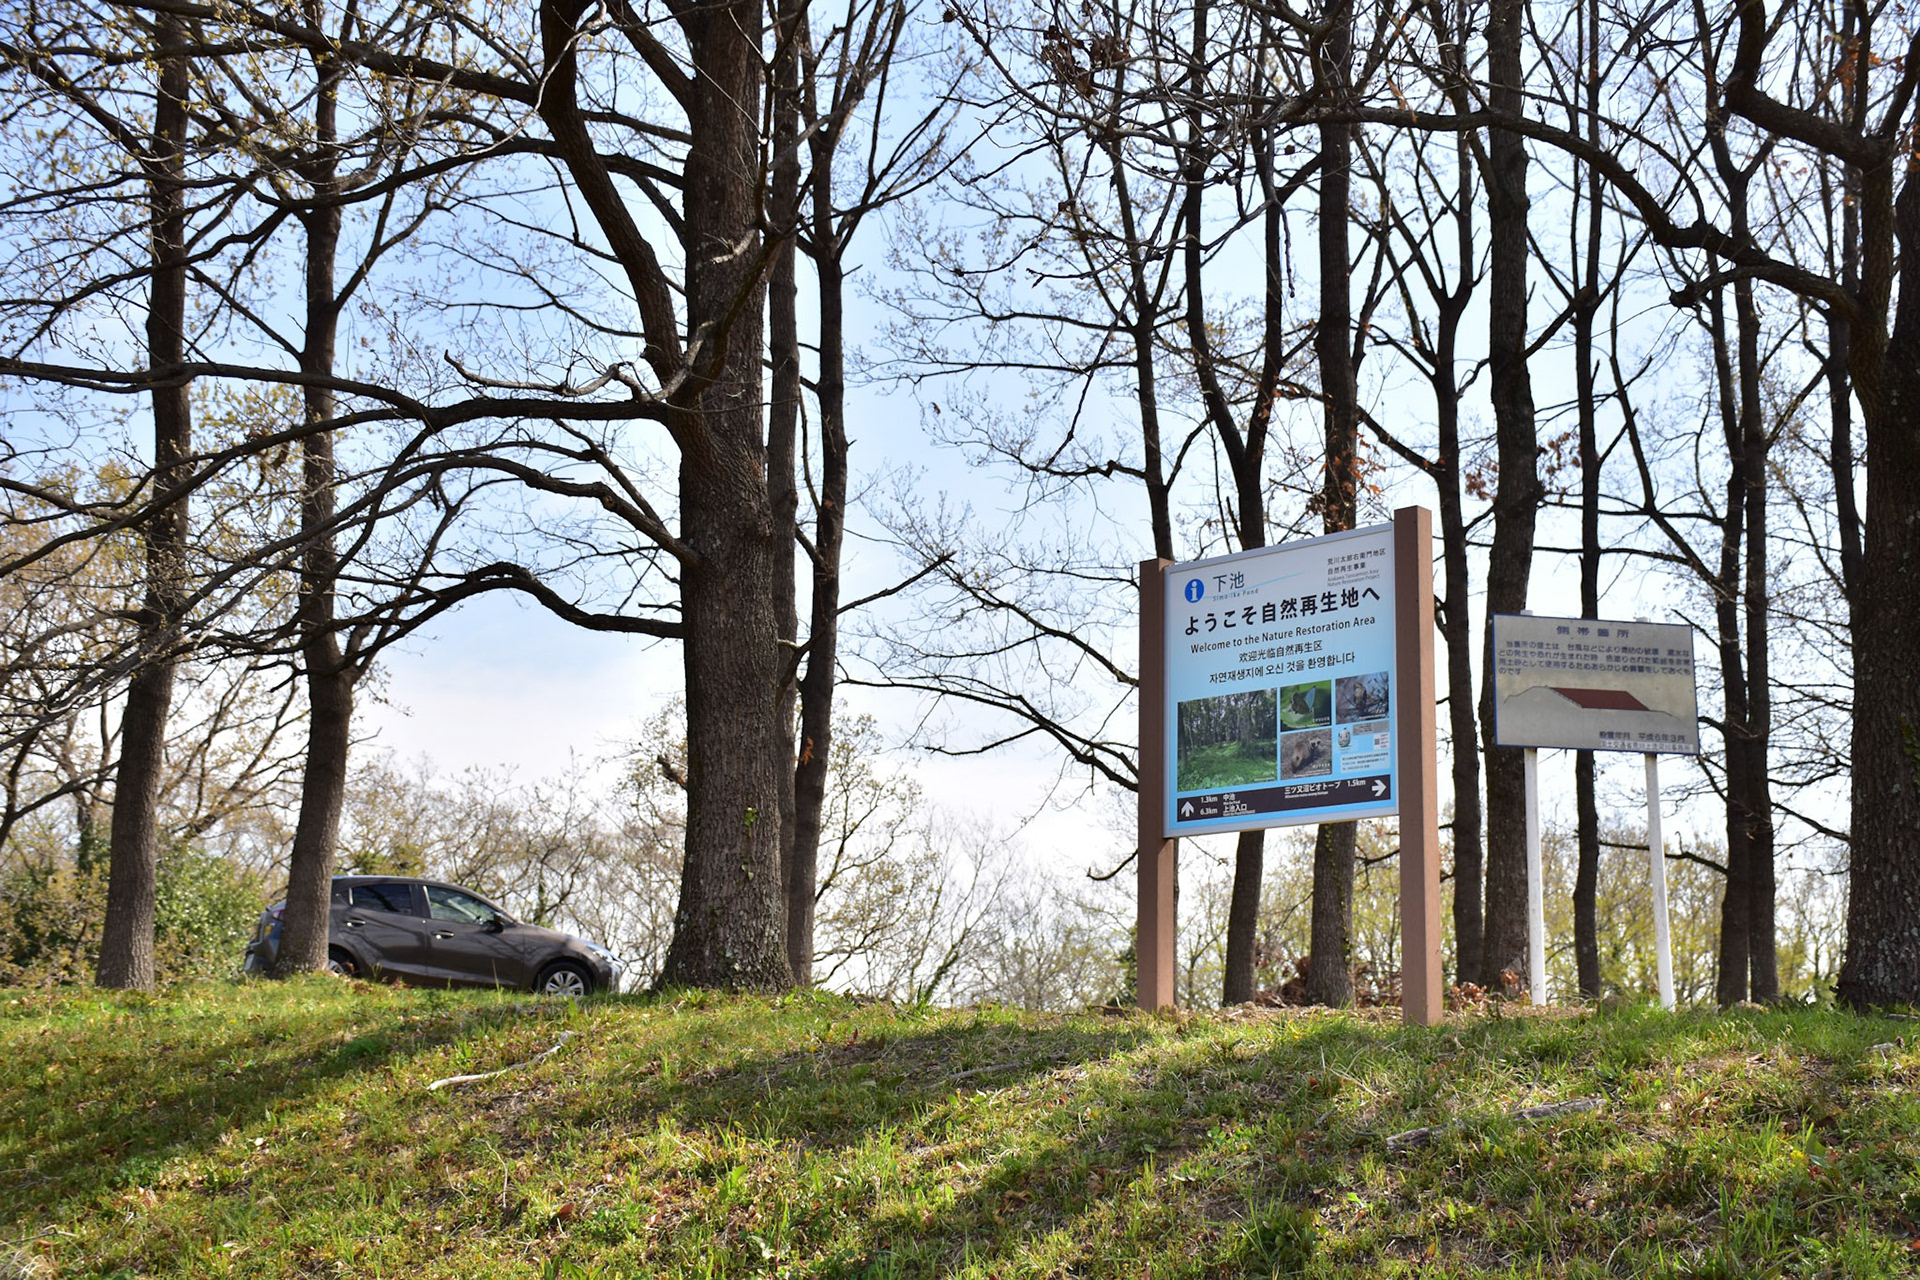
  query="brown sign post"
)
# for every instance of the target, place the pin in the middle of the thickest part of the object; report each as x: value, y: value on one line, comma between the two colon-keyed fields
x: 1159, y: 855
x: 1421, y: 999
x: 1415, y: 781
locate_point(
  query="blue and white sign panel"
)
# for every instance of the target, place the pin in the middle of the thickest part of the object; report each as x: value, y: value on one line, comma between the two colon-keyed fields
x: 1281, y: 685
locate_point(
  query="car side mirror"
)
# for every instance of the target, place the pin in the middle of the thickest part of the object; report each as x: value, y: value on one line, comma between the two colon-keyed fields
x: 496, y: 924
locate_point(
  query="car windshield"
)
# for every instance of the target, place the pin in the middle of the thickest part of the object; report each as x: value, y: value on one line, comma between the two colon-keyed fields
x: 451, y: 904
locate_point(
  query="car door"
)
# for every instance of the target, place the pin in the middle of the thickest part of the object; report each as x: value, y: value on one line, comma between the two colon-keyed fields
x: 384, y: 925
x: 468, y: 942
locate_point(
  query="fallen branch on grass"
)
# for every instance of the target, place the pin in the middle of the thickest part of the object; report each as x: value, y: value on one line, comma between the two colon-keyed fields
x: 1006, y: 1066
x: 542, y: 1056
x: 1421, y: 1137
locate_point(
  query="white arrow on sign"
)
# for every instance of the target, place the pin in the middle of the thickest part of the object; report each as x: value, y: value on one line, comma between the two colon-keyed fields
x: 1379, y: 787
x: 1186, y: 810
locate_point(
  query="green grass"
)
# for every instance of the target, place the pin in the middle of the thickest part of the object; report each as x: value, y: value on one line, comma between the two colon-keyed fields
x: 1225, y: 764
x: 286, y: 1130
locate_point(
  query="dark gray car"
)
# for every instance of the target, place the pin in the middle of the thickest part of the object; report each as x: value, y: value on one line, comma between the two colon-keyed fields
x: 435, y: 934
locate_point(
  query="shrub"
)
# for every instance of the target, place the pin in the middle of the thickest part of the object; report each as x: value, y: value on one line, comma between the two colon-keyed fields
x: 204, y: 910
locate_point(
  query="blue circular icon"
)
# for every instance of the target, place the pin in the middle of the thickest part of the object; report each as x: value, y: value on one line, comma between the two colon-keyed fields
x: 1195, y: 589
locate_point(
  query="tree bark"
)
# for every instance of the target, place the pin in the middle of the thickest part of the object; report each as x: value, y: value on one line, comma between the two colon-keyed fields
x: 126, y: 941
x: 1518, y: 491
x: 1757, y: 793
x: 1747, y: 909
x: 1329, y: 979
x: 783, y: 418
x: 1586, y: 879
x: 1882, y: 964
x: 729, y: 929
x: 829, y: 533
x: 1730, y: 987
x: 1455, y: 618
x: 330, y: 678
x: 1840, y: 455
x: 1240, y: 982
x: 1245, y: 451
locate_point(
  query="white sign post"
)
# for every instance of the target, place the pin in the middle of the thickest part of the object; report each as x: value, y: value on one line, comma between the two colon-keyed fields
x: 1536, y: 887
x: 1657, y: 869
x: 1582, y: 684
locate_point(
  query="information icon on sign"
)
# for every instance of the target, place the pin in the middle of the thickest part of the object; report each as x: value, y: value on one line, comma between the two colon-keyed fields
x: 1195, y: 589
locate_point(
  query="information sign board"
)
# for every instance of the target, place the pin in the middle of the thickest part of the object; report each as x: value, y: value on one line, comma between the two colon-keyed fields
x: 1281, y: 685
x: 1584, y: 684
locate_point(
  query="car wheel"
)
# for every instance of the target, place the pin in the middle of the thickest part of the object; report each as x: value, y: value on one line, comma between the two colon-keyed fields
x: 563, y: 978
x: 340, y: 964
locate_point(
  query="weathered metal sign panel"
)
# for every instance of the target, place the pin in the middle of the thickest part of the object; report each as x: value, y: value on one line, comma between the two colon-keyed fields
x: 1583, y: 684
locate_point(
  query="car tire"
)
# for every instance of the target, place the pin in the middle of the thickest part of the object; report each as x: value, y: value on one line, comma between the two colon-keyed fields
x: 341, y: 964
x: 564, y: 978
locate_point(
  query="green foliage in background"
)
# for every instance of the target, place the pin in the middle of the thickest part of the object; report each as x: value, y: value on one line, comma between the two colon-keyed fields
x: 204, y: 912
x: 50, y: 912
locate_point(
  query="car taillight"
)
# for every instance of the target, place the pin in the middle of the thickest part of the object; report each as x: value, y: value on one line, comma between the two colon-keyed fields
x: 277, y: 912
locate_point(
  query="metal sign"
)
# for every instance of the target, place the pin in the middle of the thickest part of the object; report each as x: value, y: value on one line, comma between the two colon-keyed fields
x: 1584, y: 684
x: 1281, y: 685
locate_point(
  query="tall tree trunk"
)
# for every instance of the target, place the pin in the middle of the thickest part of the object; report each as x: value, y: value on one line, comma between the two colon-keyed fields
x: 829, y: 533
x: 126, y: 941
x: 1248, y: 474
x: 1882, y: 964
x: 1518, y: 491
x: 330, y: 679
x: 729, y: 930
x: 1456, y: 630
x: 1245, y: 452
x: 1329, y: 979
x: 1756, y: 792
x: 783, y: 418
x: 1586, y: 878
x: 1740, y: 595
x: 1249, y: 478
x: 1731, y: 984
x: 1456, y: 622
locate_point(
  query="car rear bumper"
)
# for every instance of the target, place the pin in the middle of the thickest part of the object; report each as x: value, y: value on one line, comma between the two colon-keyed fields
x: 260, y: 955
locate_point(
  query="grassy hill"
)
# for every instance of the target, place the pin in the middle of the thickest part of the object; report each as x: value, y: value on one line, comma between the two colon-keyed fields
x: 268, y: 1130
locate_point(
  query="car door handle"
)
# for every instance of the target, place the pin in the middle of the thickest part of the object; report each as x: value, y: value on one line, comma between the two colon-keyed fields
x: 443, y: 933
x: 354, y: 922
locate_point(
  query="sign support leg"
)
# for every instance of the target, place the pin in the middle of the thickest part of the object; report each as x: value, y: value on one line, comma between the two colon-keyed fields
x: 1536, y: 888
x: 1657, y: 866
x: 1417, y: 755
x: 1157, y: 856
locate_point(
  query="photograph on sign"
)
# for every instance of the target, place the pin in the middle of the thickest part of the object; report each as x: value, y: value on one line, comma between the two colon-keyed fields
x: 1590, y: 685
x: 1279, y: 685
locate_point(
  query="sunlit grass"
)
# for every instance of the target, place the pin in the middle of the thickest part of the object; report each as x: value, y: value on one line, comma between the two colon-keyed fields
x: 286, y: 1130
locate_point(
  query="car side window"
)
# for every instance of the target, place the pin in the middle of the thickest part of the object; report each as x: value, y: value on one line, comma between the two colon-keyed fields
x: 451, y: 904
x: 397, y: 898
